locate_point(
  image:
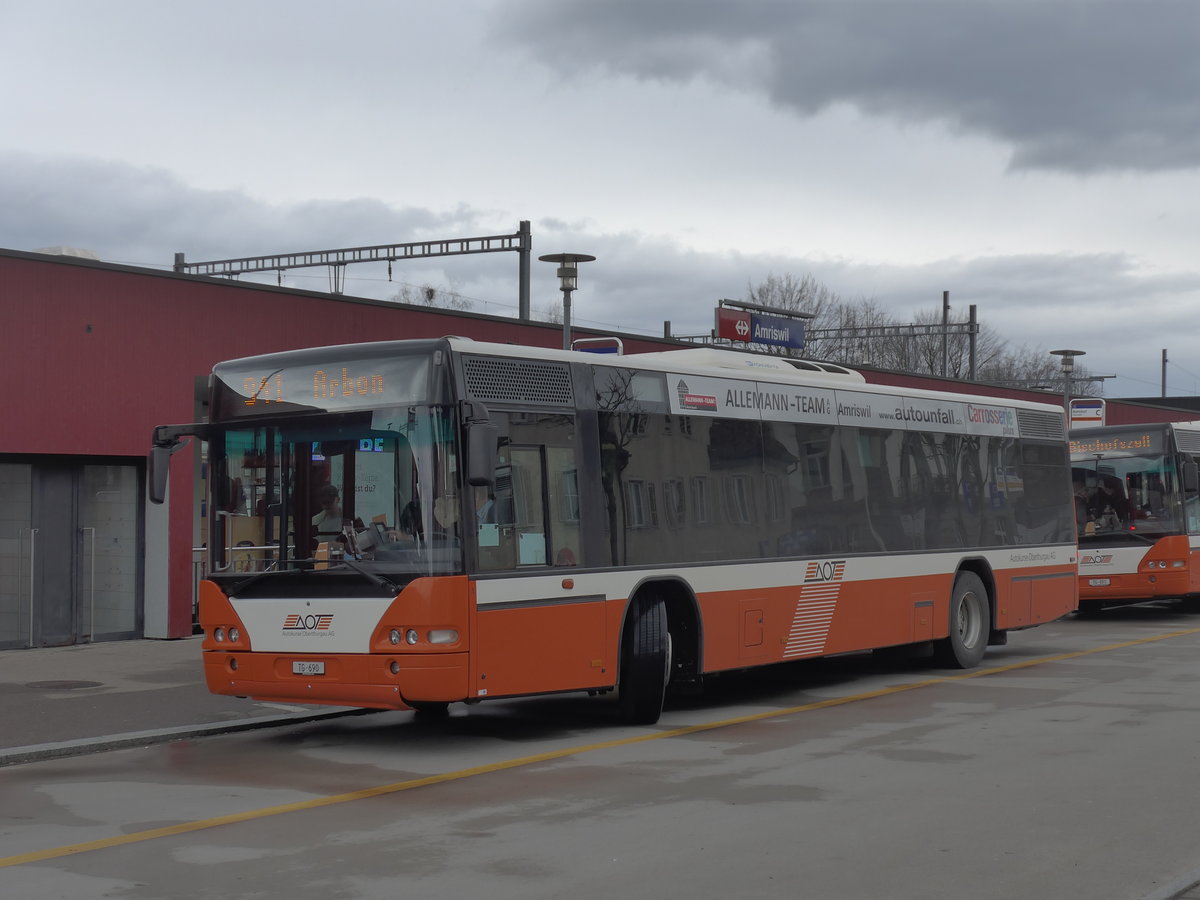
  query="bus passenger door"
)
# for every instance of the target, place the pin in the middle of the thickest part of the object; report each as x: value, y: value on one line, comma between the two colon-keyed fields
x: 544, y: 631
x: 533, y: 516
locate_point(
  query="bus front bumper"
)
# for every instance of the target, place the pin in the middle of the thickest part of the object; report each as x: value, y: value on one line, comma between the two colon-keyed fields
x: 1133, y: 587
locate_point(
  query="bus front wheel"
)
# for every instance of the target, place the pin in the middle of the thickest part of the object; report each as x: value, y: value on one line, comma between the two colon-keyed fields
x: 644, y: 661
x: 970, y: 623
x: 431, y: 709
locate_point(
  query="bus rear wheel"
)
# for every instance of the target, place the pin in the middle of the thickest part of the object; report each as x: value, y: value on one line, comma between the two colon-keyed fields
x: 970, y: 623
x: 645, y: 661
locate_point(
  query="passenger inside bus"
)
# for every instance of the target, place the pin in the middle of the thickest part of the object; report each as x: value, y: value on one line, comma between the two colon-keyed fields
x: 485, y: 506
x: 409, y: 526
x: 1082, y: 517
x: 1108, y: 503
x: 329, y: 519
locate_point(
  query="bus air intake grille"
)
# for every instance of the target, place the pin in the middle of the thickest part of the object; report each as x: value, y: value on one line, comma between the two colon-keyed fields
x: 1187, y: 441
x: 518, y: 381
x: 1041, y: 425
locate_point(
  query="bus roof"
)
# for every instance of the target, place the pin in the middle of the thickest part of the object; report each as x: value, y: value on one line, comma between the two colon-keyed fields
x: 721, y: 363
x: 711, y: 362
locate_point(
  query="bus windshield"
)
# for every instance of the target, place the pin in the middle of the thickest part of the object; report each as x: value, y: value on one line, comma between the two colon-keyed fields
x: 371, y: 490
x: 1126, y: 494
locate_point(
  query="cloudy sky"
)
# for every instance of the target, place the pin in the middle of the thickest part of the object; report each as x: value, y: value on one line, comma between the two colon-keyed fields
x: 1037, y: 159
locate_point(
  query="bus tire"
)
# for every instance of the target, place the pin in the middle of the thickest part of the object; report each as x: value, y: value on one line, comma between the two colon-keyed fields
x: 431, y: 709
x: 644, y: 661
x: 970, y: 624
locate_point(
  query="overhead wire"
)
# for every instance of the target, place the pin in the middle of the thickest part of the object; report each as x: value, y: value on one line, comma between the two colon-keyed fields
x: 596, y: 323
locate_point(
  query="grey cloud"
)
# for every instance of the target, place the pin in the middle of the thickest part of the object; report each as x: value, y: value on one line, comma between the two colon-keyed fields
x: 1069, y: 85
x: 142, y: 215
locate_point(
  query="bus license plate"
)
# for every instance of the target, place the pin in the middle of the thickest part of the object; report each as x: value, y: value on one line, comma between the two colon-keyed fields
x: 308, y: 667
x: 1098, y: 582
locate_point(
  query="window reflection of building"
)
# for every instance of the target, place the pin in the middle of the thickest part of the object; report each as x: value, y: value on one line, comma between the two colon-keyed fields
x: 776, y: 499
x: 673, y: 502
x: 700, y: 499
x: 745, y: 489
x: 639, y: 504
x: 739, y: 499
x: 805, y: 489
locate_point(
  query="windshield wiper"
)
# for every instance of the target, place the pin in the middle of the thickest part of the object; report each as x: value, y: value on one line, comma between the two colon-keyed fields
x: 386, y: 583
x: 1119, y: 533
x: 246, y: 582
x: 1145, y: 538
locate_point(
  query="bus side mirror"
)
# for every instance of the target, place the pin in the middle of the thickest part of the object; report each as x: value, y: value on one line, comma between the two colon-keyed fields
x: 482, y: 436
x: 481, y: 455
x: 158, y: 466
x: 166, y: 442
x: 1191, y: 478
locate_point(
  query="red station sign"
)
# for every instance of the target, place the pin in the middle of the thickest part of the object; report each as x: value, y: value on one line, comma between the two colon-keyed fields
x: 733, y: 324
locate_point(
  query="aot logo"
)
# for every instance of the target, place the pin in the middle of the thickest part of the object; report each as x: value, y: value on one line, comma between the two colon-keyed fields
x: 296, y: 622
x: 830, y: 570
x: 1096, y: 559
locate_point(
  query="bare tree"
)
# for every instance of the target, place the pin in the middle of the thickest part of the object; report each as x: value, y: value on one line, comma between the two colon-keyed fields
x: 840, y: 331
x: 551, y: 312
x: 789, y: 294
x: 785, y: 292
x: 428, y: 295
x: 851, y: 345
x: 1034, y: 368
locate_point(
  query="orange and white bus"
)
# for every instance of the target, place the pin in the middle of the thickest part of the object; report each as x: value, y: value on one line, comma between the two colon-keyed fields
x: 1137, y: 513
x: 450, y: 520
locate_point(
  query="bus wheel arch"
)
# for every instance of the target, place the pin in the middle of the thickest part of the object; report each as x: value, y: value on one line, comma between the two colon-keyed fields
x: 660, y: 643
x: 971, y: 618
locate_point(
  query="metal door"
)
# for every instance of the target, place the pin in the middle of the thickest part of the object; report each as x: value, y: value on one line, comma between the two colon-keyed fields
x: 70, y: 564
x: 18, y: 548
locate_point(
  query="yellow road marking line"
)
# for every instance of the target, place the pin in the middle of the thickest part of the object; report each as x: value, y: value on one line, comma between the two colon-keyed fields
x: 460, y: 774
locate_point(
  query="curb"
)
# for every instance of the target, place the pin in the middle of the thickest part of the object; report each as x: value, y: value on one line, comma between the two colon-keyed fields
x: 14, y: 756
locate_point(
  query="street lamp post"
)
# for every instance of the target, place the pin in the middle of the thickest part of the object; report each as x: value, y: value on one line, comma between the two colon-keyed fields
x: 1068, y: 368
x: 568, y: 278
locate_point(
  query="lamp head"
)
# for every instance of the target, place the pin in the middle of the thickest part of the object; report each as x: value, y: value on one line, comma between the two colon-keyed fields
x: 568, y: 267
x: 1068, y: 358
